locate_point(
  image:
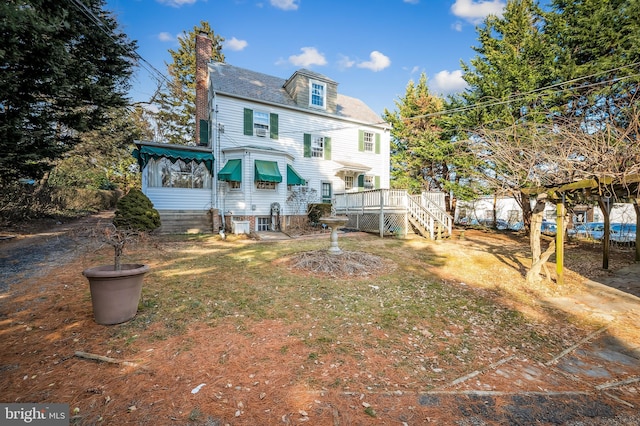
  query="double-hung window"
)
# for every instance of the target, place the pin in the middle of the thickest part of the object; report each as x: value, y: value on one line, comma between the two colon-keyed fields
x: 348, y: 183
x: 317, y: 94
x: 368, y: 141
x: 326, y: 192
x: 317, y: 146
x: 261, y: 123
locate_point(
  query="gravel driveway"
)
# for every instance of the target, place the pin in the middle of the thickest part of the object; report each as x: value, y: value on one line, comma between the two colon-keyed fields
x: 27, y: 253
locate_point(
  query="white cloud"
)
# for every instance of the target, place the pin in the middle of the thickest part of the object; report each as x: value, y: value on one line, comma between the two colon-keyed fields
x: 235, y: 44
x: 457, y: 26
x: 344, y: 62
x: 309, y: 56
x: 448, y: 82
x: 475, y: 11
x: 165, y: 36
x: 378, y: 62
x: 412, y: 1
x: 285, y: 4
x: 176, y: 3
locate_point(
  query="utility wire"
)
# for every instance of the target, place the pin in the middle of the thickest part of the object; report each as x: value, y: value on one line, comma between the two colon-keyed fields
x: 97, y: 21
x: 511, y: 98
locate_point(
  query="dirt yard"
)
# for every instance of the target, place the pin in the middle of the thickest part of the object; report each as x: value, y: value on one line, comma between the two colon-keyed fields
x: 261, y: 373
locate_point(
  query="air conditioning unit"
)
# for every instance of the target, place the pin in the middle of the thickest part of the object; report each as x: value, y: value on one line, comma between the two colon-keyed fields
x: 261, y: 132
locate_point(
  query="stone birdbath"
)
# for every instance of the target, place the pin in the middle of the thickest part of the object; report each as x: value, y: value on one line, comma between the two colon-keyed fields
x: 334, y: 222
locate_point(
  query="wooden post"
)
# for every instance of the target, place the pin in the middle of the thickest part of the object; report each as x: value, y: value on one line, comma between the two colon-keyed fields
x: 636, y: 206
x: 381, y: 221
x: 606, y: 210
x: 560, y: 213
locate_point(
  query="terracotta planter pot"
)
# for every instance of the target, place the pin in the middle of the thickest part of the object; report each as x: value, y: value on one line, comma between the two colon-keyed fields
x: 115, y: 294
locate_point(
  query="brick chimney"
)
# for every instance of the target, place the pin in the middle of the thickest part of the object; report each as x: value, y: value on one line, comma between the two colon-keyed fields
x: 204, y: 47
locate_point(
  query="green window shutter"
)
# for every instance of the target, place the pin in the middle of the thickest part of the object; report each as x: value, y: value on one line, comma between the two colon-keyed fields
x: 273, y: 126
x: 204, y: 132
x: 376, y: 182
x: 377, y: 143
x: 361, y: 182
x: 248, y: 122
x: 327, y: 148
x: 361, y: 140
x: 307, y: 145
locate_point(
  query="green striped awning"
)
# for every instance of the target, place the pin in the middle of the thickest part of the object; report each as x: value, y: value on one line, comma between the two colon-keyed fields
x: 144, y: 153
x: 293, y: 178
x: 267, y: 171
x: 231, y: 172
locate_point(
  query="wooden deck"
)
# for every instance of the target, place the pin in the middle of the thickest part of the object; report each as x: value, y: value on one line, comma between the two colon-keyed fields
x: 395, y: 212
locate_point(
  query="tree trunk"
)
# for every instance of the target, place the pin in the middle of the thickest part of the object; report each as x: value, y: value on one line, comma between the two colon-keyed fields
x: 636, y: 206
x: 533, y: 275
x: 524, y: 201
x: 117, y: 266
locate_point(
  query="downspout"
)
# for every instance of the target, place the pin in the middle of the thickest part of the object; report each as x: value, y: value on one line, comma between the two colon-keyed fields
x: 214, y: 180
x: 215, y: 186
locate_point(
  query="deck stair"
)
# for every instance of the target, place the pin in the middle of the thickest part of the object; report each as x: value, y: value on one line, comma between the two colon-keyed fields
x: 393, y: 212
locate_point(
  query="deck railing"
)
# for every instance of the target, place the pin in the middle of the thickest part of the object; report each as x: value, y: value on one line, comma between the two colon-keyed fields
x: 373, y: 199
x: 435, y: 205
x: 427, y: 209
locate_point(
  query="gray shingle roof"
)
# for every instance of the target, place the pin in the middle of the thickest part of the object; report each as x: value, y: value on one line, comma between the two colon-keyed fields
x: 232, y: 80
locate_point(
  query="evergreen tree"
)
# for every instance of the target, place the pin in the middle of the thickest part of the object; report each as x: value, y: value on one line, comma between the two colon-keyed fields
x: 416, y: 149
x: 103, y: 159
x: 598, y: 53
x: 177, y: 100
x: 515, y: 62
x: 423, y: 143
x: 63, y: 65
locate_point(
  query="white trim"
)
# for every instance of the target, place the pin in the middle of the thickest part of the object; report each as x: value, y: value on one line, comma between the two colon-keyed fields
x: 378, y: 125
x: 324, y: 94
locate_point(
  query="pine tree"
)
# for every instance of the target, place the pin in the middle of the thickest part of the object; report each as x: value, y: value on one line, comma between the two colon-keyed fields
x: 177, y: 100
x: 515, y: 62
x: 598, y: 53
x: 422, y: 145
x: 102, y: 159
x: 63, y: 66
x: 515, y: 59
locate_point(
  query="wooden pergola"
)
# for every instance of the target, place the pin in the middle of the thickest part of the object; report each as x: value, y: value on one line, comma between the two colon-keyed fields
x: 605, y: 191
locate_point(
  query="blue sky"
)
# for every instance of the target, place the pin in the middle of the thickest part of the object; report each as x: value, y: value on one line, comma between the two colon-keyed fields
x: 372, y: 48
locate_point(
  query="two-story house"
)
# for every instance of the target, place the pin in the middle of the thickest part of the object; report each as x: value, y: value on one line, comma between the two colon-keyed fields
x: 265, y: 147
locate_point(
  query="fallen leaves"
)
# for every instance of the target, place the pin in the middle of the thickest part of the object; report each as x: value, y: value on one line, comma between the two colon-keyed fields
x: 345, y: 264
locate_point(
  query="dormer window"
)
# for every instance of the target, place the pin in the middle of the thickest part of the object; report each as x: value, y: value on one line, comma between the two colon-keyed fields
x: 317, y: 94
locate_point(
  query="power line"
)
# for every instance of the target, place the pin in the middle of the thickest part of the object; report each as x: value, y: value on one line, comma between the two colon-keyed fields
x: 516, y: 97
x: 97, y: 21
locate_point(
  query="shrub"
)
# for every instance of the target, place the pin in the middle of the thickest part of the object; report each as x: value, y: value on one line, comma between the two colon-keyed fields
x: 318, y: 210
x: 136, y: 212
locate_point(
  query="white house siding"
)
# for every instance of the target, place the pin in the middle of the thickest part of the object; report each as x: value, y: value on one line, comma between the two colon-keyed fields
x: 248, y: 200
x: 293, y: 124
x: 177, y: 198
x: 620, y: 213
x: 481, y: 210
x: 506, y: 208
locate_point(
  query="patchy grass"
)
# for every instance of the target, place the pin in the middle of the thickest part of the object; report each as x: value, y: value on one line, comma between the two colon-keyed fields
x: 407, y: 314
x: 240, y: 317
